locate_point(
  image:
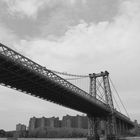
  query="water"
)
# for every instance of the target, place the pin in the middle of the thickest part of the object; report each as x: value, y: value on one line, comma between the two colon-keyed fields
x: 129, y: 138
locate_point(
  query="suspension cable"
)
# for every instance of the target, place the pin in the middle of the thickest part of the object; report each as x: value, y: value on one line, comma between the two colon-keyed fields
x: 119, y: 97
x: 112, y: 95
x: 68, y: 74
x: 116, y: 103
x: 101, y: 98
x: 100, y: 85
x: 74, y: 78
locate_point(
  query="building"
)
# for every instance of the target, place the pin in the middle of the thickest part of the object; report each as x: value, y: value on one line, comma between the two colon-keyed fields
x: 53, y: 127
x: 36, y: 123
x: 66, y: 121
x: 20, y: 127
x: 75, y: 121
x: 136, y: 123
x: 38, y: 127
x: 53, y: 122
x: 84, y: 124
x: 20, y: 130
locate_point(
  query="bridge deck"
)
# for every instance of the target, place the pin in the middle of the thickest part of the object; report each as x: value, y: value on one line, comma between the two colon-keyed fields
x: 19, y: 72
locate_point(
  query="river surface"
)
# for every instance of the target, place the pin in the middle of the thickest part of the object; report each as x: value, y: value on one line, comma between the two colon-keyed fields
x: 129, y: 138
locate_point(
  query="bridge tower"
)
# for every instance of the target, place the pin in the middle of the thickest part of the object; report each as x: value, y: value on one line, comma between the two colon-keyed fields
x: 93, y: 121
x: 110, y: 121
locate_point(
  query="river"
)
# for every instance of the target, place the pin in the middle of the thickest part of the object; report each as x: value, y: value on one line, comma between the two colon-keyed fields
x: 128, y: 138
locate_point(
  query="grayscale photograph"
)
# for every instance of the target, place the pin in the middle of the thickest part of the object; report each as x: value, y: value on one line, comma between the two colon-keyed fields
x: 69, y: 69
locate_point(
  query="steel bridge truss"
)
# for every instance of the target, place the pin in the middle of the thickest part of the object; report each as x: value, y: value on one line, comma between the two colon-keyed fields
x: 19, y: 63
x: 32, y: 66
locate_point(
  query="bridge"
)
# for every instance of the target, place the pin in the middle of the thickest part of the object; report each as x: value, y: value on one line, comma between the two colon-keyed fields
x: 20, y: 73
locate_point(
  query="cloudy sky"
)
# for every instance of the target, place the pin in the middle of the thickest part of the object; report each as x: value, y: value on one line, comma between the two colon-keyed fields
x: 75, y: 36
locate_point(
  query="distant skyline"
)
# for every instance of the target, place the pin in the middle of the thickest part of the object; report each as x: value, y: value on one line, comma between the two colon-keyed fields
x: 75, y: 36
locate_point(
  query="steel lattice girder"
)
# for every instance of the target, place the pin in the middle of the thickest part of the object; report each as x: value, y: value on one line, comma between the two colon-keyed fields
x: 21, y: 73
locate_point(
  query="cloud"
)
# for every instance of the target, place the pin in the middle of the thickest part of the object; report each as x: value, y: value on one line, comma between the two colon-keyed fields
x: 82, y: 8
x: 66, y: 14
x: 7, y: 36
x: 93, y: 40
x: 25, y: 8
x: 35, y: 18
x: 30, y: 8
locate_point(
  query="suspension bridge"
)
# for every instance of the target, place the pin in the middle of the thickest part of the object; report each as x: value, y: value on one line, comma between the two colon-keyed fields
x: 94, y: 97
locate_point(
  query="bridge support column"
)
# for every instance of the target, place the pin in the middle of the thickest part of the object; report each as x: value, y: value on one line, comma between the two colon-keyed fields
x: 119, y: 128
x: 124, y: 129
x: 127, y: 130
x: 93, y: 126
x: 111, y: 132
x: 111, y: 129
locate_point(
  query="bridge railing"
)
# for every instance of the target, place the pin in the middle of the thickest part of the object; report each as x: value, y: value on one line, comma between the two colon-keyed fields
x: 20, y: 59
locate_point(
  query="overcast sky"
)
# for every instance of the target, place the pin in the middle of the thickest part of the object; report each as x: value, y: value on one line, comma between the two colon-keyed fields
x: 75, y: 36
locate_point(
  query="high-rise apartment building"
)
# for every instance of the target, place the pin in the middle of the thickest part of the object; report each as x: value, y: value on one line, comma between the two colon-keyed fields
x: 20, y: 130
x: 53, y: 122
x: 20, y: 127
x: 42, y: 126
x: 75, y: 121
x: 36, y: 123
